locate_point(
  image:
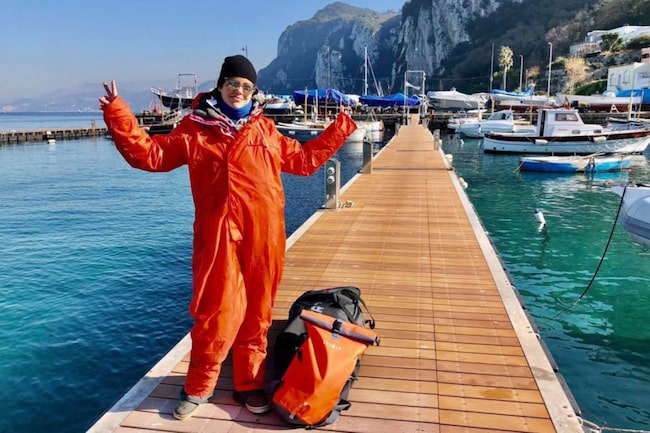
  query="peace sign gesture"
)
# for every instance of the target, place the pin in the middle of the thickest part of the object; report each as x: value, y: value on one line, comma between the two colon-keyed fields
x: 111, y: 94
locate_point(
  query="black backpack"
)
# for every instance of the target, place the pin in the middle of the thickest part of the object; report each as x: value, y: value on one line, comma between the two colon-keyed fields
x: 342, y: 303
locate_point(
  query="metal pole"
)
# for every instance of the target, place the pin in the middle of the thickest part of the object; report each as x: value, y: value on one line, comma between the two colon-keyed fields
x: 550, y: 58
x: 491, y: 69
x: 405, y: 96
x: 521, y: 72
x: 329, y: 68
x: 365, y: 71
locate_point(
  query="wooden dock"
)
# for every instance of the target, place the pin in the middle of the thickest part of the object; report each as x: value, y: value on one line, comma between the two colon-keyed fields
x: 458, y: 352
x: 16, y: 137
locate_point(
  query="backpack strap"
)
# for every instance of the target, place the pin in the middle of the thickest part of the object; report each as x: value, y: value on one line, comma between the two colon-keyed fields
x: 355, y: 294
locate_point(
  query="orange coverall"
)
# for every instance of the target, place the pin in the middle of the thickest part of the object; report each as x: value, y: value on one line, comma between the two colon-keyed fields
x: 239, y: 229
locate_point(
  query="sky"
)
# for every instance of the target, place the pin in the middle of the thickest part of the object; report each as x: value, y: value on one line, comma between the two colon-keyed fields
x: 50, y: 45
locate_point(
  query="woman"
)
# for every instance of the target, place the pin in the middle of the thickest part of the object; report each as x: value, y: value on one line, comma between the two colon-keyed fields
x: 235, y: 157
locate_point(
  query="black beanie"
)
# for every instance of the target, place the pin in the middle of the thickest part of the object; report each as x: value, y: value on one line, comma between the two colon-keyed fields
x: 237, y: 66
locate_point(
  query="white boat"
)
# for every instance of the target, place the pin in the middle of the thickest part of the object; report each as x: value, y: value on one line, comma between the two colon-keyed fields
x: 499, y: 121
x: 281, y: 106
x: 299, y: 132
x: 575, y: 163
x: 635, y: 212
x: 564, y: 133
x: 465, y: 116
x: 526, y: 103
x: 359, y: 134
x: 521, y: 101
x: 453, y: 100
x: 310, y: 130
x: 182, y: 96
x: 628, y: 123
x: 371, y: 125
x: 607, y: 101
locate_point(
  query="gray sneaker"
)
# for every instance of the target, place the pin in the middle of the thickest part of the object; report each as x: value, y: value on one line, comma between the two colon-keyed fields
x: 185, y: 409
x: 187, y: 405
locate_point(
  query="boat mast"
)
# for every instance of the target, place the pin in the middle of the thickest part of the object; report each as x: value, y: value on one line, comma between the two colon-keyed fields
x: 491, y: 70
x: 306, y: 96
x: 365, y: 70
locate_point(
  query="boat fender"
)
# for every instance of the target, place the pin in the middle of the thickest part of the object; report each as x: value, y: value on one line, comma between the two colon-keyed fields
x: 539, y: 216
x: 541, y: 141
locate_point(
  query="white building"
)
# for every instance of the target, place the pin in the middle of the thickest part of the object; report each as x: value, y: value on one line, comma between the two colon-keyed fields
x: 627, y: 77
x: 594, y: 38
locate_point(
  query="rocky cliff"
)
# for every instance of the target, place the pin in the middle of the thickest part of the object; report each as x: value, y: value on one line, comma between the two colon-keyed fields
x: 450, y: 41
x: 329, y: 49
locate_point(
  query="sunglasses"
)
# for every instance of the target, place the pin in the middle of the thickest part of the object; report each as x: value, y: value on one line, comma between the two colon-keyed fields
x: 246, y: 89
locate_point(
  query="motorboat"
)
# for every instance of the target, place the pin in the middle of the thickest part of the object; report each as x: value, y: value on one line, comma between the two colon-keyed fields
x: 575, y: 163
x: 453, y: 100
x: 182, y: 96
x: 607, y: 102
x: 281, y: 106
x: 563, y: 132
x: 628, y: 123
x: 526, y: 100
x: 300, y: 132
x: 635, y: 212
x: 463, y: 117
x: 499, y: 121
x: 304, y: 131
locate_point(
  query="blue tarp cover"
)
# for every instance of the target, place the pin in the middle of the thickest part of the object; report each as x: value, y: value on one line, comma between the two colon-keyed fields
x: 635, y: 93
x: 324, y: 95
x: 396, y: 99
x: 529, y: 91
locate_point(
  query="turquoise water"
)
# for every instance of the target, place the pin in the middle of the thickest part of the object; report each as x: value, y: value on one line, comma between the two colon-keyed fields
x: 600, y: 341
x: 95, y: 271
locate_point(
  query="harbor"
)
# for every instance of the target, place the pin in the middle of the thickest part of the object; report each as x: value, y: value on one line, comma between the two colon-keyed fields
x: 99, y: 253
x: 164, y: 122
x: 458, y: 349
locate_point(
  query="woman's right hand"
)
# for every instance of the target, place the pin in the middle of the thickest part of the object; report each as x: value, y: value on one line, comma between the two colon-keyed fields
x: 111, y: 94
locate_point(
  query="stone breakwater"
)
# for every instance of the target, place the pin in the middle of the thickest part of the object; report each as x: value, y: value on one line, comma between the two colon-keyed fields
x: 27, y: 136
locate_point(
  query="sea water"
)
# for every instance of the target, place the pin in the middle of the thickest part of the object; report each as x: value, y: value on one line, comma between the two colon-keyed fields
x: 95, y: 270
x: 585, y: 283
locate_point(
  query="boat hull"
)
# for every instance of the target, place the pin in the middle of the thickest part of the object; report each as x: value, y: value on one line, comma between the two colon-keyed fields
x: 453, y: 100
x: 305, y: 133
x: 300, y: 133
x: 173, y: 102
x: 623, y: 142
x: 479, y: 129
x: 635, y: 213
x: 571, y: 164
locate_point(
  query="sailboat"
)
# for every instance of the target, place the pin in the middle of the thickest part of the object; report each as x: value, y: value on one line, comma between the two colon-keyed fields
x: 307, y: 129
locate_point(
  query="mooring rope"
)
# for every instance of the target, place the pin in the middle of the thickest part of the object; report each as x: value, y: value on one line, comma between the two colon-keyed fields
x: 596, y: 428
x: 600, y: 262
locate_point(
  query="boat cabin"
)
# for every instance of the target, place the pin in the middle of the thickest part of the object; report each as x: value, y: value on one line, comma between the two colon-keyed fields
x: 564, y: 122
